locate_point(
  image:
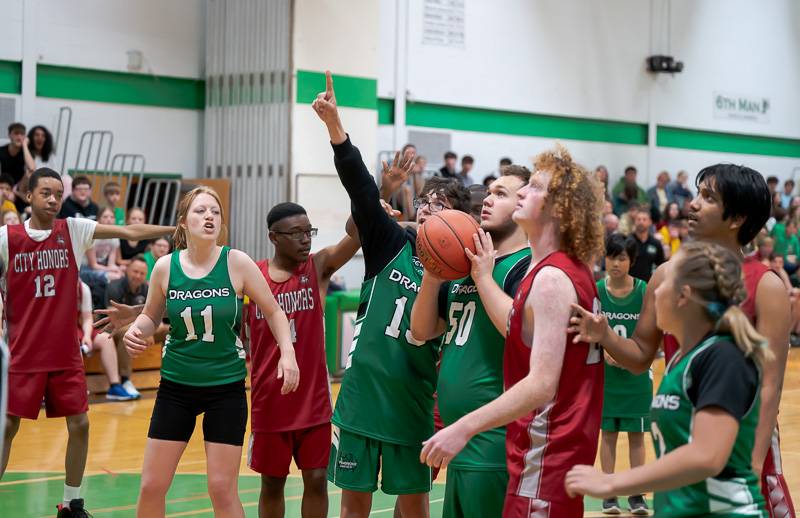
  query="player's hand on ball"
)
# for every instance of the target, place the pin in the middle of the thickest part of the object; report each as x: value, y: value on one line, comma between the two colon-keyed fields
x: 289, y: 372
x: 587, y: 326
x: 325, y: 103
x: 484, y: 256
x: 439, y: 450
x: 588, y: 480
x: 134, y: 343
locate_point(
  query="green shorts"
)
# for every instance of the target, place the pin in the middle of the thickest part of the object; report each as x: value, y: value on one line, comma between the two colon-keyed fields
x: 356, y: 460
x: 474, y: 493
x: 625, y: 424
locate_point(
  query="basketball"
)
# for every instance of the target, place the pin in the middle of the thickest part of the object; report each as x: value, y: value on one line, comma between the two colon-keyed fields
x: 441, y: 241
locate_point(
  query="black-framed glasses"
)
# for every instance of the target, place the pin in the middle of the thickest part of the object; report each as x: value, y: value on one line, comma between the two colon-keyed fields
x: 298, y: 235
x: 433, y: 206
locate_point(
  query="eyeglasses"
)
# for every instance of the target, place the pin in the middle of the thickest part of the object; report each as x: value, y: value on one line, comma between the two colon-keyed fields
x: 433, y: 206
x: 298, y: 235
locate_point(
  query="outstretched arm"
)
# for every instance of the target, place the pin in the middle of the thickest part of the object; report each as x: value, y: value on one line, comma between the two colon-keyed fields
x: 255, y: 286
x: 131, y: 232
x: 550, y: 299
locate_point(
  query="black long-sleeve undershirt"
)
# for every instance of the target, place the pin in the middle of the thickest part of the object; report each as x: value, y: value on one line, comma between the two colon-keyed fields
x: 382, y: 238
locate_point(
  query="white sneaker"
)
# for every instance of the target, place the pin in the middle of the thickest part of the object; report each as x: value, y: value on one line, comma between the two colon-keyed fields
x: 130, y: 389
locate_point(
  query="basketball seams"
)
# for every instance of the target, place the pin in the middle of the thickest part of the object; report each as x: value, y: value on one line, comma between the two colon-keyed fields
x: 455, y: 233
x: 431, y: 251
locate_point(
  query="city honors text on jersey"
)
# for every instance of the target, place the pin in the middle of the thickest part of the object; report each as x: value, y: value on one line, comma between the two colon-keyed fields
x: 293, y: 301
x: 51, y: 259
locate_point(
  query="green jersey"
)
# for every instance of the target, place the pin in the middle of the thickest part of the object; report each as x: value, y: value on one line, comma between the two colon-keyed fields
x: 735, y: 491
x: 471, y: 371
x: 203, y: 346
x: 625, y: 395
x: 388, y: 385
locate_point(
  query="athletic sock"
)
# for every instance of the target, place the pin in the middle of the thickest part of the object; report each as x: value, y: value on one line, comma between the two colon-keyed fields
x: 71, y: 493
x: 123, y: 379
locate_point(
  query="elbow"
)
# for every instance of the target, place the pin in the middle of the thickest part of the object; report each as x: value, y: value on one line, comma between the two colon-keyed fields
x: 420, y: 331
x: 640, y: 367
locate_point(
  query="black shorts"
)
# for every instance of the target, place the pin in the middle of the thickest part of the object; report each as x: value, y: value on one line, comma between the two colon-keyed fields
x: 177, y: 407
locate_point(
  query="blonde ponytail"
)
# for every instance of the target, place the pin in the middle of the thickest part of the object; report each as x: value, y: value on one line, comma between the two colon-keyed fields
x: 715, y: 275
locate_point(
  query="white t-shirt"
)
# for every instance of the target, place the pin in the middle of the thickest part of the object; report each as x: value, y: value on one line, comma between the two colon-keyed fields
x: 103, y: 249
x: 81, y: 232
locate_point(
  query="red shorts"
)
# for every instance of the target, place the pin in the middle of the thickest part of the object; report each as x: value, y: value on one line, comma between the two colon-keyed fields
x: 271, y: 453
x: 79, y: 334
x: 524, y: 507
x: 64, y: 393
x: 773, y: 484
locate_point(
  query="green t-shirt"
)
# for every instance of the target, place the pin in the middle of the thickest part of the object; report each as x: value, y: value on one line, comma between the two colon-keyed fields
x: 151, y: 262
x: 625, y: 395
x: 471, y: 370
x: 388, y: 384
x: 785, y: 245
x: 203, y: 346
x: 713, y: 374
x: 119, y: 216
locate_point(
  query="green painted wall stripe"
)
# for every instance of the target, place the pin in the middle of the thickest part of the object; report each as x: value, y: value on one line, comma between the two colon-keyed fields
x: 10, y: 77
x: 119, y: 87
x: 528, y: 124
x: 351, y: 91
x: 668, y: 136
x: 385, y: 111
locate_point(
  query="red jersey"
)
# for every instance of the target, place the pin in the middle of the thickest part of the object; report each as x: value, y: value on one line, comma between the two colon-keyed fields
x: 752, y: 270
x: 310, y: 405
x: 543, y: 445
x: 41, y: 286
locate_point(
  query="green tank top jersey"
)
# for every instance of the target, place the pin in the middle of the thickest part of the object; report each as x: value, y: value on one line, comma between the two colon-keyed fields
x: 625, y: 395
x: 471, y: 371
x: 735, y: 491
x: 203, y: 346
x: 388, y: 384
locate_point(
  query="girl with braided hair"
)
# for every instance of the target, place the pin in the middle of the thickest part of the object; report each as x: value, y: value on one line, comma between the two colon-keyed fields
x: 706, y: 410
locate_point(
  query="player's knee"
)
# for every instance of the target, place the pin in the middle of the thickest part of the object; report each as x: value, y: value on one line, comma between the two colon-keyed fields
x: 222, y: 490
x: 154, y: 487
x: 272, y: 486
x: 315, y: 481
x: 78, y: 425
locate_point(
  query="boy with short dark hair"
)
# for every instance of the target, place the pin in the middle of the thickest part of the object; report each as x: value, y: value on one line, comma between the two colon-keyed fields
x: 626, y: 396
x: 113, y: 192
x: 7, y: 193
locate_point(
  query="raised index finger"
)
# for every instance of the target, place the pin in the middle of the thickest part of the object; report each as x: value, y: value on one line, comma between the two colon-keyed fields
x: 328, y: 83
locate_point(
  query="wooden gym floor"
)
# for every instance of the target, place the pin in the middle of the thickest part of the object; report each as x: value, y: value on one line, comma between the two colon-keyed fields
x: 34, y: 483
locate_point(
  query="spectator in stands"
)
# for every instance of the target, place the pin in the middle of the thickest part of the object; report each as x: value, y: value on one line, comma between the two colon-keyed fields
x: 772, y: 183
x: 679, y: 192
x: 15, y: 158
x: 418, y: 178
x: 7, y: 193
x: 651, y: 253
x: 766, y: 247
x: 626, y: 221
x: 93, y: 340
x: 112, y: 193
x: 627, y: 191
x: 11, y: 217
x: 132, y: 291
x: 477, y: 193
x: 448, y: 170
x: 467, y: 163
x: 787, y: 244
x: 787, y: 196
x: 158, y: 249
x: 488, y: 180
x: 671, y: 213
x: 130, y: 249
x: 601, y: 174
x: 99, y: 265
x: 40, y: 145
x: 657, y: 196
x: 611, y: 222
x: 497, y: 173
x: 80, y: 204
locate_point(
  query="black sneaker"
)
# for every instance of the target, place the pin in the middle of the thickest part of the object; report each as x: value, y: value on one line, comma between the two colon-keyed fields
x: 638, y: 505
x: 611, y: 506
x: 75, y: 510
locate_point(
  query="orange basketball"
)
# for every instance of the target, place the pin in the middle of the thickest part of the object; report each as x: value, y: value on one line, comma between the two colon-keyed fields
x: 441, y: 241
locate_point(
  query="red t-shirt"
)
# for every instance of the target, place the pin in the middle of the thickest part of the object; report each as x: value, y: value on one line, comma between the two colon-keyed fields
x: 42, y: 282
x: 544, y: 444
x: 310, y: 405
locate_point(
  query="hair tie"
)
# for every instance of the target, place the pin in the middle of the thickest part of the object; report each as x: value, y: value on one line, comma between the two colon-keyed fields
x: 717, y: 309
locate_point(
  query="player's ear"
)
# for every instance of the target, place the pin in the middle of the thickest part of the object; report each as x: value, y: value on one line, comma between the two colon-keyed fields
x: 273, y: 238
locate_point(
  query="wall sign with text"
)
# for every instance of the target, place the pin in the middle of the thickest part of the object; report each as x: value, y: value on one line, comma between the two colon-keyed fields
x: 741, y: 107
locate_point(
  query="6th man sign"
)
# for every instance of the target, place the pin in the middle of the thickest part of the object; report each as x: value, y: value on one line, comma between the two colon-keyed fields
x: 741, y: 107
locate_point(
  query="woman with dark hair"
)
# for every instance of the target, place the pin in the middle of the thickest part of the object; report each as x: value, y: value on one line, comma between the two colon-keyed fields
x: 42, y: 148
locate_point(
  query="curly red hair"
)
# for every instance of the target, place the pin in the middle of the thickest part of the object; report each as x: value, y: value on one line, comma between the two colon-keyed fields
x: 576, y: 198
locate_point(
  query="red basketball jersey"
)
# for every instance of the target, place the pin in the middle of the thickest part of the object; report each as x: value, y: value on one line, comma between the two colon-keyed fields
x: 544, y: 444
x: 310, y: 404
x: 41, y: 285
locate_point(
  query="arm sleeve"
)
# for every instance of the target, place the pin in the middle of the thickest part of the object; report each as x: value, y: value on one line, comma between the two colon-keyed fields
x: 442, y: 300
x: 86, y: 298
x: 515, y: 276
x: 381, y: 237
x: 722, y: 377
x: 81, y: 232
